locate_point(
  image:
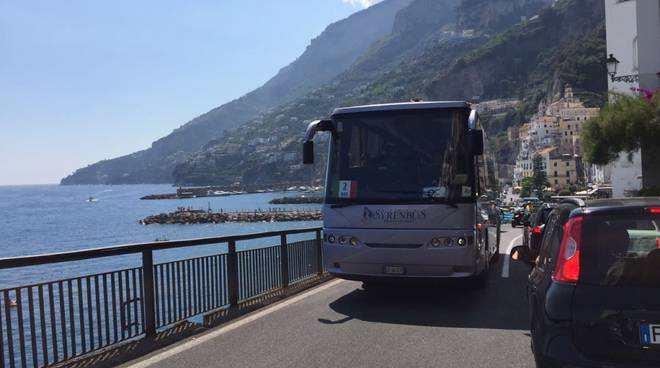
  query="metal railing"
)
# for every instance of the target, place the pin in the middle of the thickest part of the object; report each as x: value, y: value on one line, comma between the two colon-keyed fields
x: 50, y: 322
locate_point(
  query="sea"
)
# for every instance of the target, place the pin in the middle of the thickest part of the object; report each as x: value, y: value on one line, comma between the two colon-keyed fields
x: 39, y: 219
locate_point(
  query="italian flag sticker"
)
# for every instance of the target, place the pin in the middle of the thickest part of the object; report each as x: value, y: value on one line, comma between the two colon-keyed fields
x: 348, y: 188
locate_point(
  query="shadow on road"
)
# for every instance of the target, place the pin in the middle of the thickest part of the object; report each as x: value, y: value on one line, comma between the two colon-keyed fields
x: 500, y: 305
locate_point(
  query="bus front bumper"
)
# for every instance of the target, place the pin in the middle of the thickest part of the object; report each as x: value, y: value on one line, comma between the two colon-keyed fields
x: 364, y: 263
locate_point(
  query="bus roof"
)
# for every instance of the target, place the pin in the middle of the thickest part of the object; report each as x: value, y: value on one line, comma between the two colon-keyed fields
x: 403, y: 106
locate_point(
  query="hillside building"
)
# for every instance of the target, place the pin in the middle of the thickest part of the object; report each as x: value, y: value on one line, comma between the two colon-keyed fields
x: 554, y: 132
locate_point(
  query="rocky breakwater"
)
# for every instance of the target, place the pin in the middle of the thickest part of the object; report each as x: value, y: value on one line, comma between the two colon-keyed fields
x: 207, y: 217
x: 298, y: 200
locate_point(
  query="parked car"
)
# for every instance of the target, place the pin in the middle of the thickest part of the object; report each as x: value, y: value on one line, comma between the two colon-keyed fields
x: 533, y: 229
x: 594, y: 291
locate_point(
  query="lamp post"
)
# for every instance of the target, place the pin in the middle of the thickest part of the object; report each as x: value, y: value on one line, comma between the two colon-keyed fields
x: 613, y: 65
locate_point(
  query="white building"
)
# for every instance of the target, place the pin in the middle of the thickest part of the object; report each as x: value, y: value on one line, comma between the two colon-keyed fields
x: 633, y: 38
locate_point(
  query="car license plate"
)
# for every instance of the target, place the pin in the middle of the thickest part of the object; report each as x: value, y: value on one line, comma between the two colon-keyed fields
x: 649, y: 334
x: 394, y: 270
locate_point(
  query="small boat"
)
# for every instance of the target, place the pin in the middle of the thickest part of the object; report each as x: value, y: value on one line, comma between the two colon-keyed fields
x: 92, y: 199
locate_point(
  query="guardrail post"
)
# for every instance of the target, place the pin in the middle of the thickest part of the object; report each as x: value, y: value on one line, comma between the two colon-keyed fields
x: 284, y: 257
x: 319, y: 253
x: 232, y: 273
x: 148, y: 304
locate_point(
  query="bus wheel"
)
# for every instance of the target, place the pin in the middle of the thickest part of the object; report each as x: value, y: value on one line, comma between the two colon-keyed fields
x: 478, y: 282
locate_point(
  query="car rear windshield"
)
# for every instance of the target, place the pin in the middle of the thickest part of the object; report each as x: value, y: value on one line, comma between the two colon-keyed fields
x: 621, y: 250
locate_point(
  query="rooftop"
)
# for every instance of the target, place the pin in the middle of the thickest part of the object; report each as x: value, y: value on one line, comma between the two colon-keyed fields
x: 546, y: 150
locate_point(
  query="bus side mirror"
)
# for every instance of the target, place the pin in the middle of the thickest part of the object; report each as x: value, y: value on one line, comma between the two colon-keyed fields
x: 476, y: 142
x: 308, y: 152
x: 313, y: 128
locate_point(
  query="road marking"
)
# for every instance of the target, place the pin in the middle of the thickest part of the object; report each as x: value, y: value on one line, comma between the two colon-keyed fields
x: 507, y: 258
x: 230, y: 327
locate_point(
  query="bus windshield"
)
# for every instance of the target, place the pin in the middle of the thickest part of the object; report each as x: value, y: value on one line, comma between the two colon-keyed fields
x: 400, y: 157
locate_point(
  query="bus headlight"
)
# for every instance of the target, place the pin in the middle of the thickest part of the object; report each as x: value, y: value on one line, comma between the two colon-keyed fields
x: 331, y: 239
x: 343, y: 240
x: 436, y: 242
x: 461, y: 242
x: 354, y: 241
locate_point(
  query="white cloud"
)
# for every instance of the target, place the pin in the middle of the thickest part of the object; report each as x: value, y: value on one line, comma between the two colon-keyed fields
x: 361, y: 3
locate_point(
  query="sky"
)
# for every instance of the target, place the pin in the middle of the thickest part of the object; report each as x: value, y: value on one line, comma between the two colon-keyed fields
x: 82, y: 81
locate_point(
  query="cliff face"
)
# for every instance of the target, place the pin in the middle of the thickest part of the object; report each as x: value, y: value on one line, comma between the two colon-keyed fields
x: 339, y: 46
x: 510, y: 63
x: 519, y: 62
x: 415, y: 26
x: 492, y: 16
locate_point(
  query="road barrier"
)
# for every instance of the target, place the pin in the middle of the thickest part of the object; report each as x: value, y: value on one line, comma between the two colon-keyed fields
x: 51, y: 322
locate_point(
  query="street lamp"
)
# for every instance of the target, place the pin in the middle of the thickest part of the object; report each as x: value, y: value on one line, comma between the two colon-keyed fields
x: 613, y: 65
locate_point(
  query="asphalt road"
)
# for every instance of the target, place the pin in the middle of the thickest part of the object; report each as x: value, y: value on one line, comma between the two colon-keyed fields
x: 340, y: 325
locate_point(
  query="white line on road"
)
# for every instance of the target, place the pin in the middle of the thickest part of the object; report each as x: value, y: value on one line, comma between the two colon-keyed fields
x: 232, y: 326
x: 507, y: 258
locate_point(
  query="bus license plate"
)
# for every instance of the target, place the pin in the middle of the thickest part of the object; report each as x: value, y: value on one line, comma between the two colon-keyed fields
x: 394, y: 270
x: 649, y: 334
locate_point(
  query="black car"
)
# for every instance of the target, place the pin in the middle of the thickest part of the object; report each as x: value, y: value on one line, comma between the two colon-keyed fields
x: 533, y: 229
x: 594, y: 291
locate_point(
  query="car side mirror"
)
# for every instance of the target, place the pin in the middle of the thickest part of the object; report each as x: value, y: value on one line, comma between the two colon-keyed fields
x: 476, y: 142
x: 521, y: 253
x: 308, y: 152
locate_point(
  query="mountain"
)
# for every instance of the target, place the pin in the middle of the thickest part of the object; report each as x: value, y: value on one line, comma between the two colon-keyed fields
x: 328, y: 55
x: 496, y: 15
x: 442, y: 61
x: 513, y: 62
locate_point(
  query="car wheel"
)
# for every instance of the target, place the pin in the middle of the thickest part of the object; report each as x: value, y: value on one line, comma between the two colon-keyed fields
x: 543, y: 362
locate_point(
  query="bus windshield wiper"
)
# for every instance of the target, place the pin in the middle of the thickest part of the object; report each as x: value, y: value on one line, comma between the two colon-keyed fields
x: 434, y: 199
x: 344, y: 205
x: 445, y: 202
x: 371, y: 201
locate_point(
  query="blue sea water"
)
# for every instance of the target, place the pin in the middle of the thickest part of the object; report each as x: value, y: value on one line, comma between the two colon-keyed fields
x: 52, y: 218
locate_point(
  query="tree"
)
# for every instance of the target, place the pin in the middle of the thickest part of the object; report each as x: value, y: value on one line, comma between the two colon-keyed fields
x: 540, y: 178
x: 627, y: 124
x: 526, y: 187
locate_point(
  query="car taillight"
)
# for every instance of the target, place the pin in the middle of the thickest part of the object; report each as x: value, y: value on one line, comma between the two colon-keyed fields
x: 658, y: 240
x: 568, y: 262
x: 653, y: 210
x: 537, y: 230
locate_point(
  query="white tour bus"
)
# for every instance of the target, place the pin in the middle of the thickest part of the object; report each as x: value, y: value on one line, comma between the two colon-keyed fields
x: 407, y: 192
